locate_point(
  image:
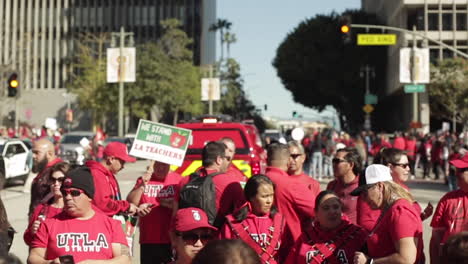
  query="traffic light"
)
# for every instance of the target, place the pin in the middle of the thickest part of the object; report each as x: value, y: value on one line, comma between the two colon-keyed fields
x: 345, y: 29
x: 265, y: 107
x: 294, y: 114
x: 13, y: 85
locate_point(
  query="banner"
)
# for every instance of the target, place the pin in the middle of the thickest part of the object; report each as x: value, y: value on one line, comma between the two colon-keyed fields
x: 210, y: 89
x: 164, y: 143
x: 420, y: 63
x: 113, y: 65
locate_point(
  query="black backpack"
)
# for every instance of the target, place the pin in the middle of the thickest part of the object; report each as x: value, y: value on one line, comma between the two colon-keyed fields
x: 200, y: 192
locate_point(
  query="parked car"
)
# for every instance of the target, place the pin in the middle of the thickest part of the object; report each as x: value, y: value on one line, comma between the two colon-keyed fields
x: 127, y: 141
x: 73, y: 147
x: 14, y: 161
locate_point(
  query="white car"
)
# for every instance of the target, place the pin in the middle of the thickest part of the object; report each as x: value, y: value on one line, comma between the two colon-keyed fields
x: 14, y: 160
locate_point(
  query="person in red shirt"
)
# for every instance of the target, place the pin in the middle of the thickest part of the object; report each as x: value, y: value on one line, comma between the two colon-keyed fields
x: 80, y: 231
x: 296, y: 165
x: 154, y: 192
x: 451, y: 214
x: 397, y: 235
x: 54, y: 207
x: 228, y: 191
x: 108, y: 198
x: 43, y: 159
x: 331, y: 238
x: 230, y: 152
x: 410, y: 148
x: 399, y: 141
x: 347, y: 166
x: 291, y: 197
x: 190, y: 233
x: 258, y: 222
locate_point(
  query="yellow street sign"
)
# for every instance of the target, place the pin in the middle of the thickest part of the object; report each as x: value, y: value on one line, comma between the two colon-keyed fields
x: 368, y: 108
x: 376, y: 39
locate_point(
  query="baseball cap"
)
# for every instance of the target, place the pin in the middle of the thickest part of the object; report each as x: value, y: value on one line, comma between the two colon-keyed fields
x: 191, y: 218
x: 80, y: 178
x: 118, y: 150
x: 374, y: 173
x: 460, y: 163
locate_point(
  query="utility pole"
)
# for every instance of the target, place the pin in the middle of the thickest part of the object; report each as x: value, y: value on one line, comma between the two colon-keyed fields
x: 367, y: 71
x: 415, y: 76
x: 210, y: 90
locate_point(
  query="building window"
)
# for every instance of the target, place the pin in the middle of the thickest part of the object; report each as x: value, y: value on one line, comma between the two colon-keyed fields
x: 461, y: 22
x: 415, y: 17
x: 433, y: 21
x: 447, y: 22
x: 434, y: 56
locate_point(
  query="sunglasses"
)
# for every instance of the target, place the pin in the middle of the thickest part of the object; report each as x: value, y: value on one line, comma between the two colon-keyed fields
x: 403, y: 165
x: 337, y: 160
x: 192, y: 238
x: 294, y: 156
x: 72, y: 192
x: 54, y: 180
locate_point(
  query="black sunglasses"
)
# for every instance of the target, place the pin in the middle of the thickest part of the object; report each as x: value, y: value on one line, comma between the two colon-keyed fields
x: 72, y: 192
x: 192, y: 238
x: 294, y: 156
x: 403, y: 165
x: 54, y: 180
x: 337, y: 160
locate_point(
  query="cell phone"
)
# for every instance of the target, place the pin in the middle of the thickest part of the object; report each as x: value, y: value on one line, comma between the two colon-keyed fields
x: 150, y: 205
x: 66, y: 259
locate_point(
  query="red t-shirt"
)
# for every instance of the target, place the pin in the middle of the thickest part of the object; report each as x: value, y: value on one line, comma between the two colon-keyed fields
x: 294, y: 201
x: 399, y: 143
x: 154, y: 226
x: 350, y: 203
x: 259, y: 230
x: 236, y: 174
x: 84, y: 239
x: 42, y: 209
x: 311, y: 183
x: 400, y: 221
x: 452, y: 213
x: 229, y: 193
x: 107, y: 195
x: 346, y: 239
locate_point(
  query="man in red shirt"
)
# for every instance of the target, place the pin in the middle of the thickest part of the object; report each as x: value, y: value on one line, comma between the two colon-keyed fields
x: 228, y: 191
x: 43, y: 159
x: 108, y: 197
x: 230, y: 152
x: 347, y: 165
x: 79, y: 231
x: 296, y: 168
x: 293, y: 199
x: 451, y: 214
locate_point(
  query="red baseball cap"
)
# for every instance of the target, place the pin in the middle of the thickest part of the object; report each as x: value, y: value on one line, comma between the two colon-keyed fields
x: 460, y: 163
x: 191, y: 218
x: 118, y: 150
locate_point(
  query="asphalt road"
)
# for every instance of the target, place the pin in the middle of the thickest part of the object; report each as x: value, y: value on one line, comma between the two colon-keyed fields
x: 17, y: 202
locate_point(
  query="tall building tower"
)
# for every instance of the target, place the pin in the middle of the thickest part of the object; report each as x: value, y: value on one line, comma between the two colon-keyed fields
x: 37, y: 41
x: 442, y: 20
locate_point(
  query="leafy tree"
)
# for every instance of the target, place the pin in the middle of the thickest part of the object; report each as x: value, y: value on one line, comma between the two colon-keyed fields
x: 221, y: 25
x: 319, y: 69
x: 448, y: 91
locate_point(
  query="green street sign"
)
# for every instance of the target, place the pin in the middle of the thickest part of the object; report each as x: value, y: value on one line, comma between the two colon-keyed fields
x: 370, y: 99
x: 376, y: 39
x: 415, y: 88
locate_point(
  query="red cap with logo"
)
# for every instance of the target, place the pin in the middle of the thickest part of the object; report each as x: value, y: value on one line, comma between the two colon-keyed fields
x: 191, y: 218
x: 118, y: 150
x: 460, y: 163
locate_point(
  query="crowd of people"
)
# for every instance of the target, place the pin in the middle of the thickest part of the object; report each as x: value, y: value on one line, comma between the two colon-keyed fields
x: 366, y: 214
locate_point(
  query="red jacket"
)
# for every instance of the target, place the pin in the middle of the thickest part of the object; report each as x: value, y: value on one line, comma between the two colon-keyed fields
x: 107, y: 195
x: 399, y: 143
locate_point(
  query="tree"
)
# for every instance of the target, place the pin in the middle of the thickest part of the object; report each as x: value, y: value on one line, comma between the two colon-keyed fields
x: 319, y: 69
x: 448, y: 91
x: 229, y: 38
x: 221, y: 25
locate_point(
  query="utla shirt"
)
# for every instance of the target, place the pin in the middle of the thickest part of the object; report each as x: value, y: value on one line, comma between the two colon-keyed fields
x: 399, y: 221
x: 154, y: 226
x: 451, y: 213
x: 84, y: 239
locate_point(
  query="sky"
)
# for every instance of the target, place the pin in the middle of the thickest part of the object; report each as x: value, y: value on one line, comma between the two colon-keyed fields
x: 260, y: 26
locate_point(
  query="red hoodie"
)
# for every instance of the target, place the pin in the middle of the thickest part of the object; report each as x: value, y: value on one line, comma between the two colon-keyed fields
x: 107, y: 195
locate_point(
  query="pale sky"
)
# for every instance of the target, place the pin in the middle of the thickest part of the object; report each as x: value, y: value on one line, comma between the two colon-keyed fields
x: 260, y: 26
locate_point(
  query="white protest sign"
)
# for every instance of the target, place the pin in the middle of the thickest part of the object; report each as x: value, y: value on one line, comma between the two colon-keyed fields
x: 160, y: 142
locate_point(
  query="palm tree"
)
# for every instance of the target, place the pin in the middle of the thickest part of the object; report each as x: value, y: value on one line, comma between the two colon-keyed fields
x: 221, y: 25
x: 229, y: 38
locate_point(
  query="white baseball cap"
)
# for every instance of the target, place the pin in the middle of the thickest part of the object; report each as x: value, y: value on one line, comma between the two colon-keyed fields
x: 374, y: 173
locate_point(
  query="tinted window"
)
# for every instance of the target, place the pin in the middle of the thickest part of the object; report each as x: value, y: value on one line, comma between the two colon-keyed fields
x: 202, y: 136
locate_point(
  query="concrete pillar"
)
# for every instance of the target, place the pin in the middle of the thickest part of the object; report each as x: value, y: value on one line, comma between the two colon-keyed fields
x: 35, y: 72
x: 42, y: 76
x: 50, y: 41
x: 2, y: 21
x: 57, y: 45
x: 29, y: 33
x: 425, y: 112
x: 14, y: 39
x: 22, y: 40
x: 64, y: 41
x: 6, y: 47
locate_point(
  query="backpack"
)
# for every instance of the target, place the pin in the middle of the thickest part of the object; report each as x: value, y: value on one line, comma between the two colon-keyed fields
x: 200, y: 192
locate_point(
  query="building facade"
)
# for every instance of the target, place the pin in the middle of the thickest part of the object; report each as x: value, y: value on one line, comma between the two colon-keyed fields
x: 442, y: 20
x: 37, y: 40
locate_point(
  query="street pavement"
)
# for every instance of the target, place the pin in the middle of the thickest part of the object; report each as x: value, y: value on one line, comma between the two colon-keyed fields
x: 17, y: 203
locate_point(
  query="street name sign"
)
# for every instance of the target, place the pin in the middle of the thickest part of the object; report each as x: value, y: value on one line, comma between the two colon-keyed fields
x: 376, y: 39
x: 370, y: 99
x: 415, y: 88
x: 164, y: 143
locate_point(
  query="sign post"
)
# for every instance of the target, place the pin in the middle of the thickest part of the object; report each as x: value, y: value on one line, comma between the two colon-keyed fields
x: 161, y: 142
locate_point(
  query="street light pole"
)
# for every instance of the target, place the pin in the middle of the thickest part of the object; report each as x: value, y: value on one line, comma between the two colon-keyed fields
x: 121, y: 81
x: 414, y: 77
